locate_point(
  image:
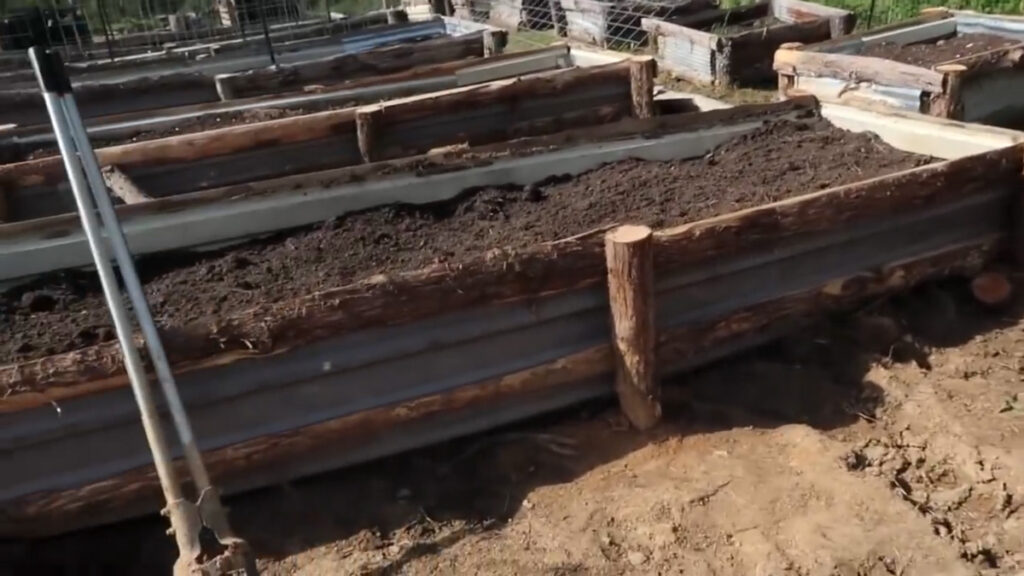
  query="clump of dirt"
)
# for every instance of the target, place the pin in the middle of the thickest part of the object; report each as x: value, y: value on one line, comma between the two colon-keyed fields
x: 932, y: 53
x: 779, y: 160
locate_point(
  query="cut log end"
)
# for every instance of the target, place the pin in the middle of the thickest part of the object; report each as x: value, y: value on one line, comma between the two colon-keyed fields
x: 992, y: 289
x: 951, y: 68
x: 629, y: 234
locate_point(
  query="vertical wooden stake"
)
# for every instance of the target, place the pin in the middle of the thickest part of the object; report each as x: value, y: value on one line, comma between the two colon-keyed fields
x: 556, y: 23
x: 629, y: 253
x: 787, y: 81
x: 641, y: 85
x: 935, y: 11
x: 490, y: 49
x: 1016, y: 229
x: 367, y: 124
x: 952, y: 79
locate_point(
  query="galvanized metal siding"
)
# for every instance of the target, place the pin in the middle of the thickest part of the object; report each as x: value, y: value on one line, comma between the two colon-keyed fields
x: 972, y: 23
x: 371, y: 40
x: 836, y: 90
x: 687, y: 58
x: 996, y: 98
x: 586, y: 20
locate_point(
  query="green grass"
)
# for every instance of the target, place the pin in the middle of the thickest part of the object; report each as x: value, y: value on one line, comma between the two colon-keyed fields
x: 521, y: 40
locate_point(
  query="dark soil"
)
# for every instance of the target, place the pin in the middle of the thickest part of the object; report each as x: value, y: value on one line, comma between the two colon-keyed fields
x: 192, y: 126
x: 727, y: 28
x: 933, y: 53
x: 65, y: 311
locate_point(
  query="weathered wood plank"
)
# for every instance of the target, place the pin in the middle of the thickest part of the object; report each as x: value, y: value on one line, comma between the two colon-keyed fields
x: 190, y: 147
x: 123, y: 187
x: 857, y: 68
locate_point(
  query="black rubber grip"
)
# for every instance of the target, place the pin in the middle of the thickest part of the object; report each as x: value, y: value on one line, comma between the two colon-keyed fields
x: 49, y: 68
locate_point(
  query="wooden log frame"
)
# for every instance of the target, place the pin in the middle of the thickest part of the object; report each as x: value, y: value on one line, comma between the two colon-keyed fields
x: 742, y: 58
x: 941, y: 85
x: 417, y: 73
x: 343, y: 123
x: 502, y: 277
x: 347, y: 67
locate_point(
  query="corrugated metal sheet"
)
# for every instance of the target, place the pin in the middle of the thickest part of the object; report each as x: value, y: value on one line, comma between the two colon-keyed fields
x: 994, y: 98
x: 415, y: 32
x: 973, y: 23
x: 687, y: 58
x: 834, y: 90
x: 586, y: 24
x: 457, y: 26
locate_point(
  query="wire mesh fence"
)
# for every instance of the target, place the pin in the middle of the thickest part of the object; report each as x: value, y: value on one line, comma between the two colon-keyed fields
x: 115, y: 29
x: 124, y: 28
x: 617, y: 24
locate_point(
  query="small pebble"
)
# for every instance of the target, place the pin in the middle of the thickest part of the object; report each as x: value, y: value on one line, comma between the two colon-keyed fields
x: 636, y: 558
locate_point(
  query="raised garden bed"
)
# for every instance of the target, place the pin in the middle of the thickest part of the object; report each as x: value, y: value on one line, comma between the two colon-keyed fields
x: 735, y: 46
x: 491, y: 305
x: 950, y: 64
x: 616, y: 23
x: 32, y: 142
x: 477, y: 114
x: 141, y: 92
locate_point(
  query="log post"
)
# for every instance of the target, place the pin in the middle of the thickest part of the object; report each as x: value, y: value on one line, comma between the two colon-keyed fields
x: 490, y: 49
x: 367, y: 123
x: 641, y: 86
x: 122, y: 186
x: 556, y: 23
x: 1016, y: 229
x: 630, y: 259
x: 787, y: 81
x: 950, y: 105
x: 225, y: 89
x: 935, y: 11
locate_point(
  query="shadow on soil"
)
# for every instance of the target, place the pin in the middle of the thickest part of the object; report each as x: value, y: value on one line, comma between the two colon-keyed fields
x: 418, y: 503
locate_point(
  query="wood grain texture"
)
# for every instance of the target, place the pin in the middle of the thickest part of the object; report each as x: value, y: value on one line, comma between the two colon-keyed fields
x: 394, y: 116
x: 857, y: 68
x: 190, y: 147
x: 629, y: 253
x: 642, y: 72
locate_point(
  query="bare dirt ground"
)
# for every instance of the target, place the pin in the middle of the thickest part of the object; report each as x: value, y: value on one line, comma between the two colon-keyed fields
x: 889, y: 442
